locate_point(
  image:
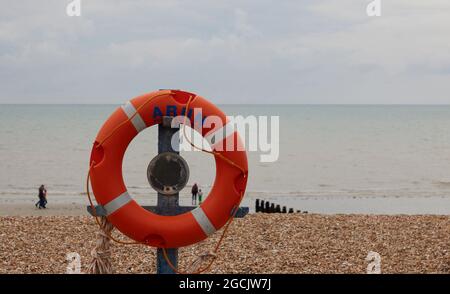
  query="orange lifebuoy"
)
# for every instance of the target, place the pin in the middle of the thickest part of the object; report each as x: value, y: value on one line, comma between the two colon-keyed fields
x: 125, y: 213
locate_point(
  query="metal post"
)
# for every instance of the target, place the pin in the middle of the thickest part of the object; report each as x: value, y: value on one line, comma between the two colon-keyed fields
x: 167, y: 205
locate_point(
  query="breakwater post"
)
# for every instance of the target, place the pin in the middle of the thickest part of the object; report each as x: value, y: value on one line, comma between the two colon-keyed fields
x: 270, y: 207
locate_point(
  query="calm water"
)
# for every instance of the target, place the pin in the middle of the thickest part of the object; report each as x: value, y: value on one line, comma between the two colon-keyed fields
x: 330, y: 156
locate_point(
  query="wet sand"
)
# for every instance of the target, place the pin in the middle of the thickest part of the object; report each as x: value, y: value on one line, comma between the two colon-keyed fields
x: 21, y: 205
x: 53, y: 209
x: 259, y: 243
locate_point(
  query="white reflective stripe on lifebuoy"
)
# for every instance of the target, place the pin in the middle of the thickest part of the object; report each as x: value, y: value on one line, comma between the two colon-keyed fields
x: 137, y: 120
x: 117, y: 203
x: 203, y: 221
x: 220, y: 134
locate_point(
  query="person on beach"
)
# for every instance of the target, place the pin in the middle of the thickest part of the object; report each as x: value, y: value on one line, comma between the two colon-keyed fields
x: 42, y: 197
x: 194, y: 192
x: 200, y: 196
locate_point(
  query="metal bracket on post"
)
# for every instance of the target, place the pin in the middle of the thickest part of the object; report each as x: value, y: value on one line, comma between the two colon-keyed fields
x: 100, y: 211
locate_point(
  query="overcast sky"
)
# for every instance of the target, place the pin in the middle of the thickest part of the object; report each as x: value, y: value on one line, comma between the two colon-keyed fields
x: 260, y: 51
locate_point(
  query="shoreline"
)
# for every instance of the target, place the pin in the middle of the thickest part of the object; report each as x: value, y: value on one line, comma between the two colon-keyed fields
x: 76, y: 206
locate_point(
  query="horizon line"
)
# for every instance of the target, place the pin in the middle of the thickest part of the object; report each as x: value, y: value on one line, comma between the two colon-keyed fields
x: 250, y: 104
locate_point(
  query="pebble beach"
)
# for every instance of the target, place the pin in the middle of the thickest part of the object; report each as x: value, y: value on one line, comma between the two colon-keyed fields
x: 258, y: 243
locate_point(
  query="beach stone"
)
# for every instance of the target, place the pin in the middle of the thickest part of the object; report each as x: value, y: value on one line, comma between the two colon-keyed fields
x: 254, y: 244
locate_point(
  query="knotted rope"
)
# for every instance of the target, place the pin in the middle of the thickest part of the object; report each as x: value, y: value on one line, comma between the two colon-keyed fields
x: 101, y: 254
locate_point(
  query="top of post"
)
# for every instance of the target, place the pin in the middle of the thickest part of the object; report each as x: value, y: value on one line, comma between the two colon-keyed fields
x: 167, y: 121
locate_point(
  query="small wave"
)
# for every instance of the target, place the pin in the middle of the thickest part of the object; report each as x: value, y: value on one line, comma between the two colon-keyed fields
x: 138, y: 187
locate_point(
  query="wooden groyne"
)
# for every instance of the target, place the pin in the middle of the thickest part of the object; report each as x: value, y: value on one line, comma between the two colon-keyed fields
x: 270, y: 207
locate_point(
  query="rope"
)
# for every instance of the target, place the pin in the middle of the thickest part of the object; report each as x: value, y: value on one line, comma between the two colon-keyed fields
x: 195, y: 266
x: 101, y: 254
x: 220, y: 155
x: 212, y: 254
x: 94, y: 212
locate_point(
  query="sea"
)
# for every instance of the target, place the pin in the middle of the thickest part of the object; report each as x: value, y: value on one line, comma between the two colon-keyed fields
x: 371, y: 159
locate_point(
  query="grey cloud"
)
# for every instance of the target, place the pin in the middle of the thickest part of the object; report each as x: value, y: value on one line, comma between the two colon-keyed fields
x: 231, y: 51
